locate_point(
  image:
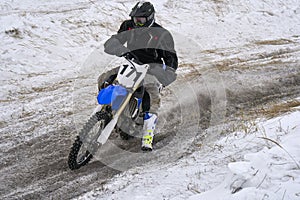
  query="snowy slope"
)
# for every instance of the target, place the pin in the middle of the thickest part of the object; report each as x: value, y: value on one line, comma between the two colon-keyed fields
x: 239, y: 166
x: 211, y: 171
x: 234, y: 56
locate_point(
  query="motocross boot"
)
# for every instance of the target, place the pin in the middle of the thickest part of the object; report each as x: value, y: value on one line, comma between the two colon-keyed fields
x: 148, y: 131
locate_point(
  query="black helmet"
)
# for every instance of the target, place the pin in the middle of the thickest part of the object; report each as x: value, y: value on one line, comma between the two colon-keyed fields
x: 143, y: 14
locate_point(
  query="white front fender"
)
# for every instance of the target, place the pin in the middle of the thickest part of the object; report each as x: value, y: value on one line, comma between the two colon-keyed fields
x: 107, y: 130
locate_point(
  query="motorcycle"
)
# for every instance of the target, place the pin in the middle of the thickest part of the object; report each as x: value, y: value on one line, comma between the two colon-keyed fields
x: 118, y: 102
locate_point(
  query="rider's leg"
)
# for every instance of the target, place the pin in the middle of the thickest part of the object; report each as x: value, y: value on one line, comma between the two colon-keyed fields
x: 150, y: 118
x: 150, y: 121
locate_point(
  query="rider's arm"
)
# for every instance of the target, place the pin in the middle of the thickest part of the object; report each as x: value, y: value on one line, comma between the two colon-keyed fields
x: 115, y: 44
x: 167, y: 50
x: 165, y: 74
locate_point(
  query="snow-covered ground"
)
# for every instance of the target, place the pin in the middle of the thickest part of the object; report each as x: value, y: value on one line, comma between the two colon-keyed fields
x: 235, y: 57
x: 260, y: 162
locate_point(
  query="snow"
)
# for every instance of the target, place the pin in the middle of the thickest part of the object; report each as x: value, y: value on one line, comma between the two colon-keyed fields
x: 238, y: 166
x: 48, y: 82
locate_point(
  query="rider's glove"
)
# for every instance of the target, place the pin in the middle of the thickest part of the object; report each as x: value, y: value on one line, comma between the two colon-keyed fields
x: 129, y: 56
x: 108, y: 81
x: 105, y: 84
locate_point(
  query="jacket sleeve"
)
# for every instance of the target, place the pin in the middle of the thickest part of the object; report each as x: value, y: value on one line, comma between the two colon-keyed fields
x: 164, y: 76
x: 115, y: 44
x: 167, y: 50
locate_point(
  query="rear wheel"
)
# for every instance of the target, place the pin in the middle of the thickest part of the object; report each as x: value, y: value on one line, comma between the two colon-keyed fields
x: 85, y: 144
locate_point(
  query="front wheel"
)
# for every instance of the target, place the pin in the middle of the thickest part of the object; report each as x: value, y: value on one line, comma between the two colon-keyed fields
x: 78, y: 159
x: 80, y: 153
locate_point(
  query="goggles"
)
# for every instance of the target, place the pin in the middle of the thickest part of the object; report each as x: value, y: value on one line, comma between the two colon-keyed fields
x: 140, y: 21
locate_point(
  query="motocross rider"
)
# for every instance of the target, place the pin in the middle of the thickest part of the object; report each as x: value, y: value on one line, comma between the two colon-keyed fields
x: 150, y: 43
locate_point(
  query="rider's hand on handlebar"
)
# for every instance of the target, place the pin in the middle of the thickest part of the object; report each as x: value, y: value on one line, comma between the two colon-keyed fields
x: 104, y: 85
x: 129, y: 55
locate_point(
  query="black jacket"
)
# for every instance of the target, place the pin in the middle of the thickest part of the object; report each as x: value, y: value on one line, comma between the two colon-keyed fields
x: 150, y: 45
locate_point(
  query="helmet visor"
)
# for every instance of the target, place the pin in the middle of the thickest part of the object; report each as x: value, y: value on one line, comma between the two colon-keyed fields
x: 140, y: 21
